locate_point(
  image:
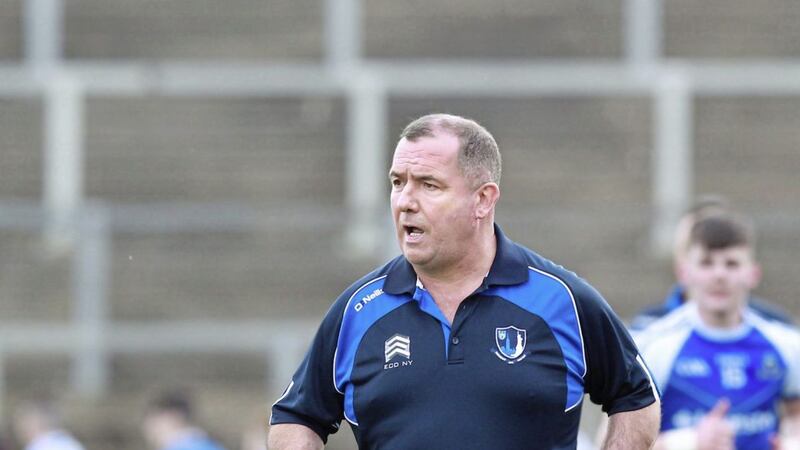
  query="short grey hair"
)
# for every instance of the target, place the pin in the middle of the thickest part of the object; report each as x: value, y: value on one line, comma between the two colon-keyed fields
x: 478, y: 156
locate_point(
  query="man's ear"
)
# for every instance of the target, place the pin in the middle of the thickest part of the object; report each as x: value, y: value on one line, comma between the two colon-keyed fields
x: 755, y: 275
x: 681, y: 275
x: 487, y: 196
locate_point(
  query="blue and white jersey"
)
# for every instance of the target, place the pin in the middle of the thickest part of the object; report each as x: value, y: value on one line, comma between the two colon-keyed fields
x: 754, y: 366
x: 509, y: 372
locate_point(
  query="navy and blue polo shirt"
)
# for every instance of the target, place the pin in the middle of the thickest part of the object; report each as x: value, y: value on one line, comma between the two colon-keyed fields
x: 509, y: 372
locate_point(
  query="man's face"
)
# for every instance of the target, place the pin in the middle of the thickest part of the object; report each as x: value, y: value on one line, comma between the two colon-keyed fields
x: 719, y: 280
x: 433, y: 205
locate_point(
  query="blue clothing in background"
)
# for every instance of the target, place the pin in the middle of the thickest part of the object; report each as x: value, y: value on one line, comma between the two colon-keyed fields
x: 677, y: 296
x: 755, y: 366
x: 195, y: 441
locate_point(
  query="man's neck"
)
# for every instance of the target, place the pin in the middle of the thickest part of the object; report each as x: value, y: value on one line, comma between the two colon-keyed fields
x: 449, y: 288
x: 721, y: 319
x: 474, y: 265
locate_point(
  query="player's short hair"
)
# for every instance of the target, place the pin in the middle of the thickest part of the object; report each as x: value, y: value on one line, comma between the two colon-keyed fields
x: 177, y: 402
x: 722, y: 230
x: 478, y: 157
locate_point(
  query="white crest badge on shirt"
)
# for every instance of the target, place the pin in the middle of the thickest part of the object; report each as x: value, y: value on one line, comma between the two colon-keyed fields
x: 770, y: 368
x: 510, y: 343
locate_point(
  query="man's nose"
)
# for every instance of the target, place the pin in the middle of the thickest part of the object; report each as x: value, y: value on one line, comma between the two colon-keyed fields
x: 720, y: 271
x: 406, y: 199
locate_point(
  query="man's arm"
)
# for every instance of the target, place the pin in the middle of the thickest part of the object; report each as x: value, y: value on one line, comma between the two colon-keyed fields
x: 290, y: 436
x: 633, y: 430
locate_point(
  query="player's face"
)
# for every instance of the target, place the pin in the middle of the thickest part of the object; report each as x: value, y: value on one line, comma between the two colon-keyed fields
x: 720, y: 280
x: 433, y: 205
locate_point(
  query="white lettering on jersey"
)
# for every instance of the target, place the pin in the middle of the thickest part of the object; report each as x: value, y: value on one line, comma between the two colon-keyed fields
x: 366, y: 299
x: 692, y: 368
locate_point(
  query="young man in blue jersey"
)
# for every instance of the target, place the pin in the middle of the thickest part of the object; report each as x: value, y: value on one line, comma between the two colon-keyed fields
x: 677, y: 296
x: 728, y: 376
x: 467, y: 340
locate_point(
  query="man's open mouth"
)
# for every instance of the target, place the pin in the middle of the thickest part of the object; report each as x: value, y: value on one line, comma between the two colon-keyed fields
x: 412, y: 231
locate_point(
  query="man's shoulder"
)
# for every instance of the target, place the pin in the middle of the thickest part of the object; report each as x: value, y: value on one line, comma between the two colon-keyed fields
x: 370, y: 282
x: 543, y: 265
x: 580, y: 289
x: 379, y: 273
x: 780, y: 334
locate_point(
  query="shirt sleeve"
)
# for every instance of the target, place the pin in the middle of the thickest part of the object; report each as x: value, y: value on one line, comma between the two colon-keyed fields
x: 786, y: 340
x: 791, y: 388
x: 311, y: 398
x: 617, y: 377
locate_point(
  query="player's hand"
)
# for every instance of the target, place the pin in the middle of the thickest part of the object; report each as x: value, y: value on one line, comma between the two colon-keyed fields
x: 789, y: 437
x: 785, y: 443
x: 714, y: 432
x: 775, y: 443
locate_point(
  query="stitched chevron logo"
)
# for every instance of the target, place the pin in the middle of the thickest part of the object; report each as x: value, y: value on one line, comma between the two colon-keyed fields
x: 397, y: 345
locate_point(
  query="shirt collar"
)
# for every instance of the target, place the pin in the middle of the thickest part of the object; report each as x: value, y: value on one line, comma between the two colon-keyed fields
x: 509, y: 267
x: 720, y: 334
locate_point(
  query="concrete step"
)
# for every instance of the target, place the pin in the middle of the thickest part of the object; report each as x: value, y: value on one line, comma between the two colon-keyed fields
x: 11, y: 43
x: 21, y: 145
x: 503, y: 29
x: 258, y: 151
x: 280, y: 272
x: 273, y: 274
x: 731, y: 29
x: 35, y: 284
x: 186, y: 29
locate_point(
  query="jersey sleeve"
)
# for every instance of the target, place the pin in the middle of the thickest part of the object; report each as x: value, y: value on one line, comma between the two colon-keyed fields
x: 617, y: 377
x: 311, y: 398
x: 791, y: 388
x: 786, y: 340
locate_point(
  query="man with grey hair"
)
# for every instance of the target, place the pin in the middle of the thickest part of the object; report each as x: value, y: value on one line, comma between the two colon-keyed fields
x: 467, y: 340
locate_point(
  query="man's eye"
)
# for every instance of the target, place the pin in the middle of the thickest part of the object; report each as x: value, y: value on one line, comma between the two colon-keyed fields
x: 429, y: 186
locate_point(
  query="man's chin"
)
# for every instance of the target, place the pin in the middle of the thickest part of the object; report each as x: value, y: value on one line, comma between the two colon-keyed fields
x: 720, y: 306
x: 415, y: 256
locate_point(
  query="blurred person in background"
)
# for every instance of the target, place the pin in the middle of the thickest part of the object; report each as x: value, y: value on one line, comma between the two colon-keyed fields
x: 466, y: 340
x: 724, y: 371
x: 702, y: 207
x: 169, y: 425
x: 37, y: 425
